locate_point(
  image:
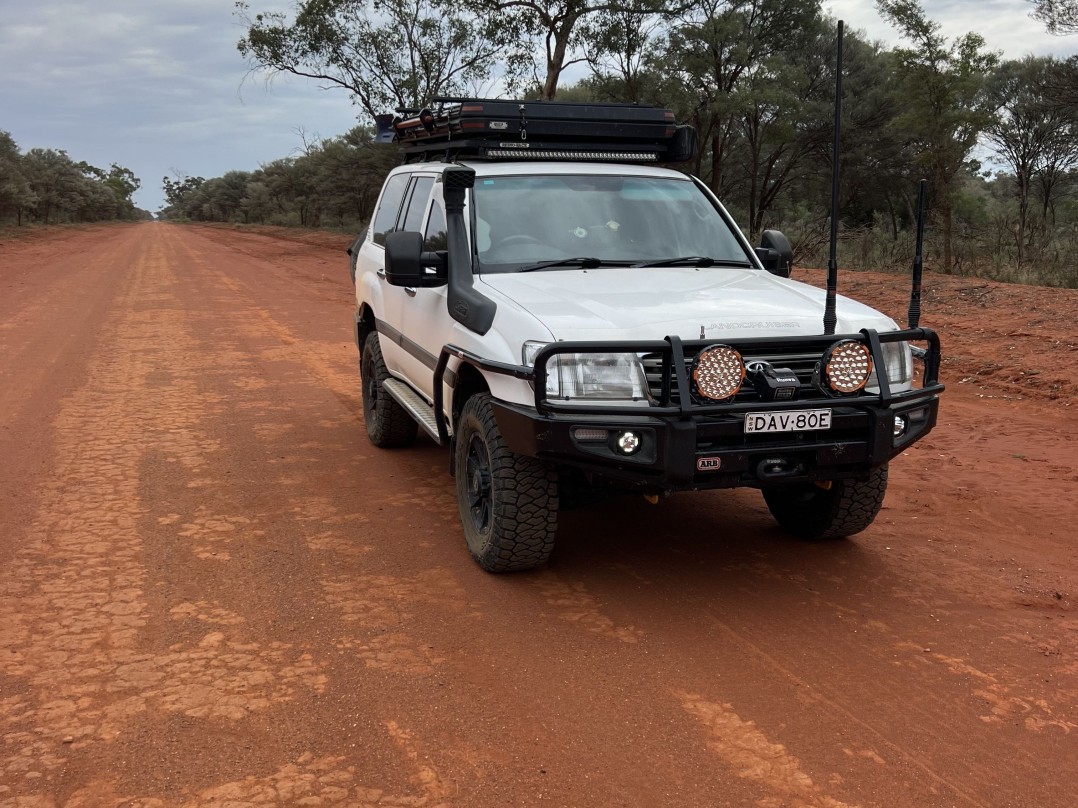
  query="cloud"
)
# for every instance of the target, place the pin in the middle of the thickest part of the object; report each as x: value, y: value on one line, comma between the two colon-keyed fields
x: 151, y: 86
x: 1006, y: 25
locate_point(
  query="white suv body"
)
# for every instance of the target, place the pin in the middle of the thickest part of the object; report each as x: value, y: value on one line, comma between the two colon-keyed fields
x: 605, y: 303
x: 429, y: 351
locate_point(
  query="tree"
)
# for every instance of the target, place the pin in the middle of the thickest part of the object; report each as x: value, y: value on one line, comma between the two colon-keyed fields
x: 709, y: 57
x: 388, y: 54
x: 617, y: 46
x: 563, y: 27
x: 945, y: 111
x: 55, y: 181
x: 1036, y: 139
x: 1060, y: 16
x: 122, y: 181
x: 786, y: 120
x: 15, y: 192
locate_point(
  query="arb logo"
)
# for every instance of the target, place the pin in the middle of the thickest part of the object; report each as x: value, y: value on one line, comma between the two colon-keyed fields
x: 708, y: 463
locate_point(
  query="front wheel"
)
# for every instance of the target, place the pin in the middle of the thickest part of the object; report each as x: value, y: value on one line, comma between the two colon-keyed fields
x: 508, y: 502
x: 810, y: 512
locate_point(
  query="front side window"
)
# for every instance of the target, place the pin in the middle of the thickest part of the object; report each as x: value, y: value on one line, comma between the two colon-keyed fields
x: 526, y: 219
x: 385, y: 218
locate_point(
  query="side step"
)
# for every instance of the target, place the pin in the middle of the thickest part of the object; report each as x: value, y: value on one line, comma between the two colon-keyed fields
x: 414, y: 403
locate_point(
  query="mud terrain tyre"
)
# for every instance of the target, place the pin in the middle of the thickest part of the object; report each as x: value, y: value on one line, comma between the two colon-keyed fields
x: 508, y: 503
x: 388, y: 424
x: 847, y: 507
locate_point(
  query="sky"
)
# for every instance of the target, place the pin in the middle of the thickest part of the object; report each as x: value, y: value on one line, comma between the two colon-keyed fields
x: 159, y: 87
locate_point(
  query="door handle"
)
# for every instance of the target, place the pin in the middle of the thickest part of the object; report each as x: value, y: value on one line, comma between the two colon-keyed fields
x: 408, y: 290
x: 382, y: 274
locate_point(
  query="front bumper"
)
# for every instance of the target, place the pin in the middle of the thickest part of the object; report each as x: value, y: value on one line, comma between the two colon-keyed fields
x: 713, y: 451
x: 687, y: 443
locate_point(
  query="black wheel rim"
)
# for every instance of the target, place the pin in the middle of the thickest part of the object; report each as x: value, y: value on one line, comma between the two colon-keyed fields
x: 480, y: 505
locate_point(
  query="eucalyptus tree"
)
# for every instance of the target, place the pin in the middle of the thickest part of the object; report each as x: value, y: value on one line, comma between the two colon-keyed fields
x: 787, y: 103
x: 1035, y: 139
x: 55, y: 180
x: 15, y: 192
x: 1060, y: 16
x: 562, y: 30
x: 710, y: 54
x: 617, y: 46
x: 386, y: 53
x: 944, y: 107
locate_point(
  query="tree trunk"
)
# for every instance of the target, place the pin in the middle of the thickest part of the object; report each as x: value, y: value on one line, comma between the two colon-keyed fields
x: 947, y: 212
x: 556, y: 60
x: 716, y: 165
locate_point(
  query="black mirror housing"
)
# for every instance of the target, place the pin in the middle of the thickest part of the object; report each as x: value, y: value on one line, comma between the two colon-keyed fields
x: 776, y: 254
x: 408, y: 265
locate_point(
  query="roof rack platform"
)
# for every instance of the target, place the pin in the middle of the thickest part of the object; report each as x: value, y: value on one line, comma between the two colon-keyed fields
x: 536, y: 130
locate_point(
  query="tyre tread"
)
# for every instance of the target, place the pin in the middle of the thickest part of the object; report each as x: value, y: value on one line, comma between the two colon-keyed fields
x: 525, y: 497
x: 389, y: 426
x: 847, y: 508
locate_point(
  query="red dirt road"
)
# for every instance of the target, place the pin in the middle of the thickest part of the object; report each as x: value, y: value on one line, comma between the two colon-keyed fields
x: 215, y: 592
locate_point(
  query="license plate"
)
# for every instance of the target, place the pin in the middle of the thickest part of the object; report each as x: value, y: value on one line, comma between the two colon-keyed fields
x: 788, y: 421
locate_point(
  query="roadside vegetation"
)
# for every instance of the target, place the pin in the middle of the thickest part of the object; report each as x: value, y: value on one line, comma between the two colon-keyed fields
x: 996, y: 140
x: 45, y: 186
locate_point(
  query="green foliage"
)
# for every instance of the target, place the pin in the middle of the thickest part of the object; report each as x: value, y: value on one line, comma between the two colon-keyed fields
x: 944, y: 108
x: 1037, y: 139
x: 1060, y: 16
x: 333, y: 183
x: 46, y: 186
x: 386, y: 53
x: 755, y: 77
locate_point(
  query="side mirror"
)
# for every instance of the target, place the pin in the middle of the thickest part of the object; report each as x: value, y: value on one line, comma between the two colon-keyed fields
x: 775, y: 253
x: 408, y: 265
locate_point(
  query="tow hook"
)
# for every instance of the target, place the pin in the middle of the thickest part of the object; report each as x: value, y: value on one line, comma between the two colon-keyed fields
x: 771, y: 468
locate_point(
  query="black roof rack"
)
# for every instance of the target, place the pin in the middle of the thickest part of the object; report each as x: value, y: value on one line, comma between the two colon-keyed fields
x: 496, y: 129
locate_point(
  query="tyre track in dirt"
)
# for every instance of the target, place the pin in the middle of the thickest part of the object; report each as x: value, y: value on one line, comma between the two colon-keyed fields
x: 226, y: 594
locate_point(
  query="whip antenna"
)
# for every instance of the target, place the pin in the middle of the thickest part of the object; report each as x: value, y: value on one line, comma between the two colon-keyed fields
x: 829, y: 318
x: 918, y: 263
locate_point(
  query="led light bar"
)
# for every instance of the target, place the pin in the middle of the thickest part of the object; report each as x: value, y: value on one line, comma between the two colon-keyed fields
x: 567, y: 154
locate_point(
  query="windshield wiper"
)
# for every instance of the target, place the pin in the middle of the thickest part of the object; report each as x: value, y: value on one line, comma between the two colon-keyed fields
x: 583, y: 261
x: 695, y: 261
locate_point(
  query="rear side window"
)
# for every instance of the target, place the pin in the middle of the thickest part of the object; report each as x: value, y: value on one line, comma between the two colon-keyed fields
x: 389, y: 207
x: 417, y: 203
x: 434, y: 238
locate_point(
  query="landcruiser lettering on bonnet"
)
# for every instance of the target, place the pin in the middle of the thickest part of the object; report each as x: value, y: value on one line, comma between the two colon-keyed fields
x: 753, y: 325
x: 734, y: 376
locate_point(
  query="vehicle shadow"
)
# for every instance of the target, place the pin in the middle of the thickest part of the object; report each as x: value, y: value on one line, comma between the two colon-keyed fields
x: 708, y: 542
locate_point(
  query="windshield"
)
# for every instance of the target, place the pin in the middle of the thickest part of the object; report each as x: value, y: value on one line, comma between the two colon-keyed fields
x: 531, y: 219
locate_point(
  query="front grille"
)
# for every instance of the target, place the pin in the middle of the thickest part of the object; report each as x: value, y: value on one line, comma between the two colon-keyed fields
x: 801, y: 361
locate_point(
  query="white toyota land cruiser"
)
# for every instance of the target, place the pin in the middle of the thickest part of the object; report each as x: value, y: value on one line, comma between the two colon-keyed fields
x: 569, y: 322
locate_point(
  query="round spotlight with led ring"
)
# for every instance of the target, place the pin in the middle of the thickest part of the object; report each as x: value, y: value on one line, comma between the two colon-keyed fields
x: 717, y: 372
x: 847, y: 366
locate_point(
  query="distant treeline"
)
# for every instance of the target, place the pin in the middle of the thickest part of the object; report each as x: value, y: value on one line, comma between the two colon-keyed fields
x: 45, y: 186
x: 996, y: 140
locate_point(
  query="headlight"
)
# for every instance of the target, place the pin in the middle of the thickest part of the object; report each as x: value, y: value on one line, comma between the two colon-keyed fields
x: 611, y: 378
x: 898, y: 365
